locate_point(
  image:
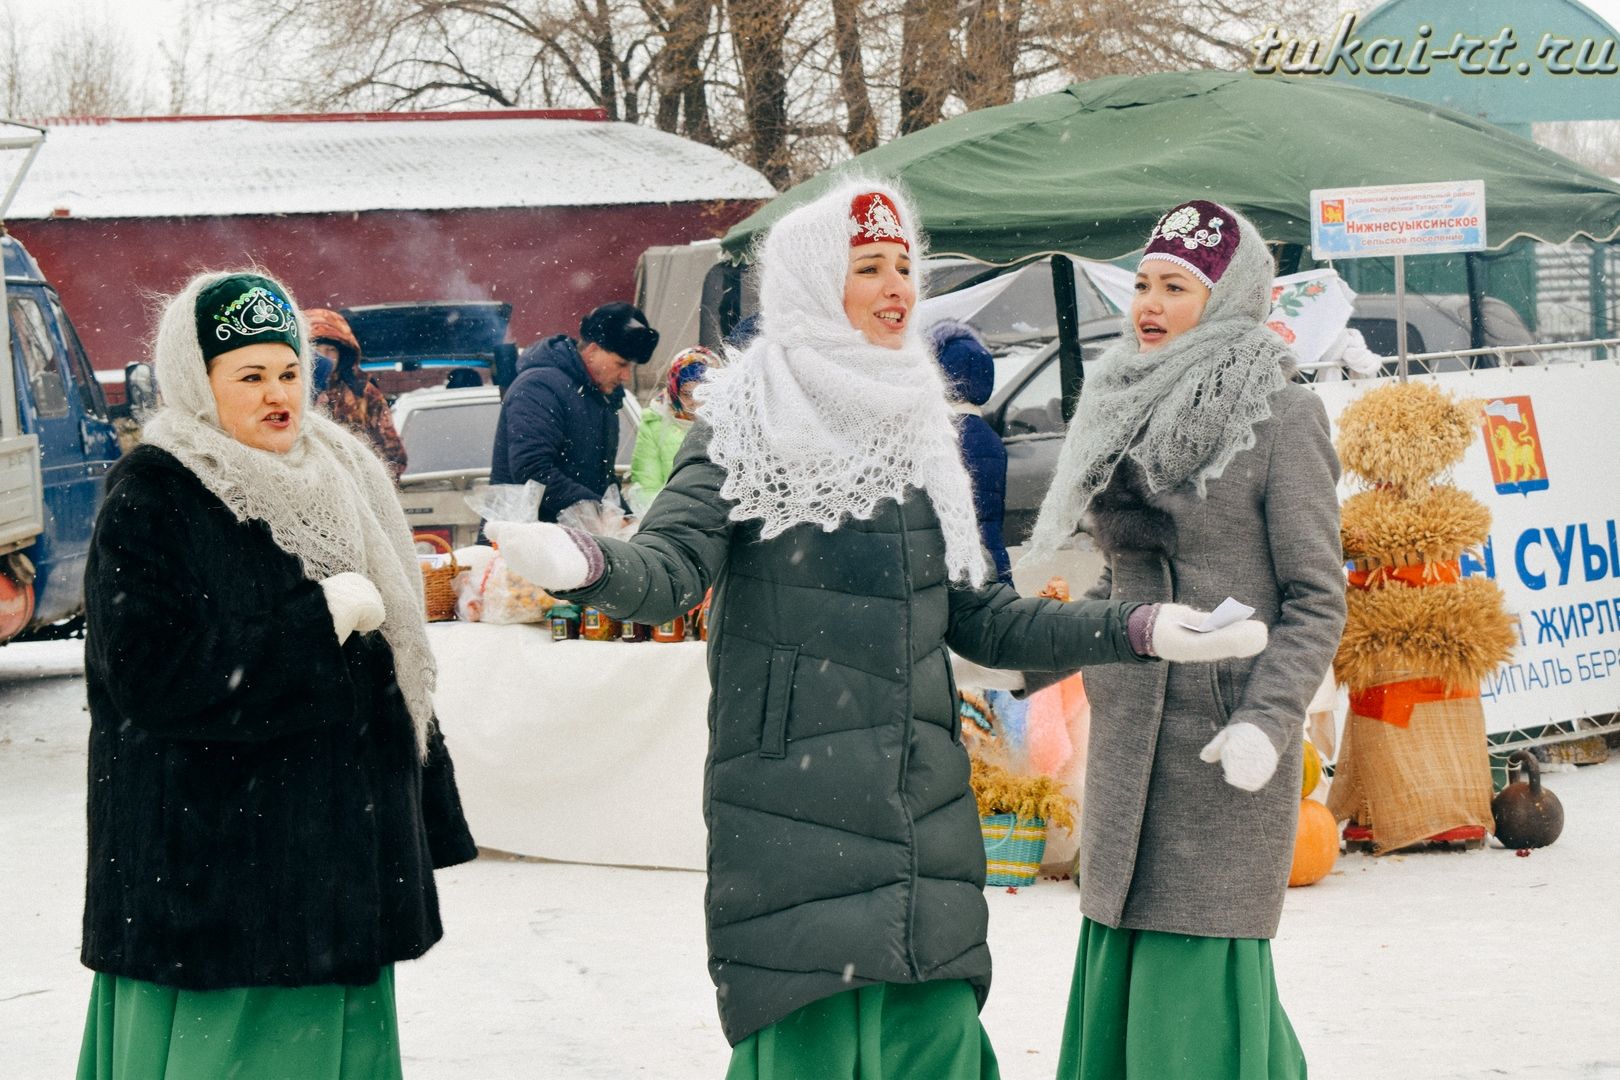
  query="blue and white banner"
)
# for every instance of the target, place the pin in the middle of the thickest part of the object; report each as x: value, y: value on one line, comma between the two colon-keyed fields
x: 1546, y: 462
x: 1399, y: 219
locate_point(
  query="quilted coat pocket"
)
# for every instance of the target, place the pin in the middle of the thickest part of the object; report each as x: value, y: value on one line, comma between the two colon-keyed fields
x: 778, y: 699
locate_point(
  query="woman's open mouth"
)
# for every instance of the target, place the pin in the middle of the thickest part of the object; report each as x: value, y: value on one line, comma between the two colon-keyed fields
x: 278, y: 419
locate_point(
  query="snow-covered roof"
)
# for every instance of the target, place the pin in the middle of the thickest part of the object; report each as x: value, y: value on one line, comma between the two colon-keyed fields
x: 257, y: 165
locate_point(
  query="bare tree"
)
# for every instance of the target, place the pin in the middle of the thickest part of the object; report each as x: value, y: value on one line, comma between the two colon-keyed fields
x: 683, y: 102
x: 758, y: 28
x: 83, y: 67
x: 991, y: 41
x: 789, y: 86
x: 1593, y: 143
x: 861, y: 129
x: 926, y: 62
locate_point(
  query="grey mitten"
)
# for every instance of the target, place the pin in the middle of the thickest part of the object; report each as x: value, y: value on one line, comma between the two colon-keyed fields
x: 354, y: 603
x: 547, y: 555
x: 1173, y: 641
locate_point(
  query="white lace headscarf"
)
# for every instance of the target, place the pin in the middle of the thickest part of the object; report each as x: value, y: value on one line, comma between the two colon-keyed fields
x: 328, y: 501
x: 1181, y: 411
x: 813, y: 423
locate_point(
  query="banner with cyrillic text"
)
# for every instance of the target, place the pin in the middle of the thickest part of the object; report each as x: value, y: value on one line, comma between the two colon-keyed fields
x: 1546, y: 461
x: 1397, y: 219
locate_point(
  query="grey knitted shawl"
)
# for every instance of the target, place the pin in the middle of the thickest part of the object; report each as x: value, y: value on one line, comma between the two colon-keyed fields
x: 1181, y: 411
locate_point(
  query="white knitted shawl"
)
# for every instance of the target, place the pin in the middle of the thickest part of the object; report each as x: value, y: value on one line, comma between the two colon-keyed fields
x: 814, y: 424
x: 328, y: 501
x: 1181, y: 411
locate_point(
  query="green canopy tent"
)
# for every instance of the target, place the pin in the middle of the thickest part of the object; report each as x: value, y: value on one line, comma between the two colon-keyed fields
x: 1087, y: 171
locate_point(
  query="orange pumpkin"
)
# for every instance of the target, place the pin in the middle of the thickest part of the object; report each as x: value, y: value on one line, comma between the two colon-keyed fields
x: 1316, y: 844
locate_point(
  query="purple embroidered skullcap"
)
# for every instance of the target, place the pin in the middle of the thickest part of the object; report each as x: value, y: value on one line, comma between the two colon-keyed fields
x: 1199, y: 236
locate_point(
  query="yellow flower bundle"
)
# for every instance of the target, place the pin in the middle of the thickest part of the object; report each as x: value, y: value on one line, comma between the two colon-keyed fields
x: 1001, y: 792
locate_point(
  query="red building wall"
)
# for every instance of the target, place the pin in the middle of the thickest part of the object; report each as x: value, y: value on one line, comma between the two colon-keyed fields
x: 552, y: 265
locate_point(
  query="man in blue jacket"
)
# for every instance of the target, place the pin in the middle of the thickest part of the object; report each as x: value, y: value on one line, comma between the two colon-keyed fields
x: 559, y: 420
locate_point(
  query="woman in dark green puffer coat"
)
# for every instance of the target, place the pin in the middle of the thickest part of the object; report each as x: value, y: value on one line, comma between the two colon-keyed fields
x: 823, y: 497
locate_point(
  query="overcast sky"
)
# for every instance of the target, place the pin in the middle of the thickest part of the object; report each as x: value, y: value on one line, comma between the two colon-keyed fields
x: 147, y: 23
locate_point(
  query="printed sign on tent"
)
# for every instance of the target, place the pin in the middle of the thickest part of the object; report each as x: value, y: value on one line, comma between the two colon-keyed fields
x: 1398, y: 219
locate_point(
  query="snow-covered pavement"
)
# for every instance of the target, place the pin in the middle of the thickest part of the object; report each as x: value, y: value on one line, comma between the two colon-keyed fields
x: 1426, y: 966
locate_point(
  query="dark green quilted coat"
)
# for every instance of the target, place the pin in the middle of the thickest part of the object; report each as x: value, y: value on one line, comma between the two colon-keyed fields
x: 844, y: 844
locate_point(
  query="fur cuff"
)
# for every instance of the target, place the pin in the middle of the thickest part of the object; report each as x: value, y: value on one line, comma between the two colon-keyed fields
x: 1122, y: 519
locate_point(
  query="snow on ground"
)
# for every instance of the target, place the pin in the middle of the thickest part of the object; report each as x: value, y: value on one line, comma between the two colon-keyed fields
x: 1432, y: 966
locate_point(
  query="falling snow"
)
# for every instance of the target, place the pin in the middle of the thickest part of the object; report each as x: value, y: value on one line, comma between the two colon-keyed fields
x: 1431, y: 966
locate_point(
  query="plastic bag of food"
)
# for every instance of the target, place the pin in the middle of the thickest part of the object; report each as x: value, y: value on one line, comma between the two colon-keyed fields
x: 607, y: 517
x: 506, y: 502
x: 494, y: 594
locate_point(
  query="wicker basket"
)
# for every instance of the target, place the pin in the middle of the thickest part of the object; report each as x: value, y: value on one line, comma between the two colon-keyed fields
x: 1012, y: 849
x: 438, y: 582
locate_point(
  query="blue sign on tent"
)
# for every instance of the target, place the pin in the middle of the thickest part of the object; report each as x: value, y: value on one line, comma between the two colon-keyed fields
x: 1398, y: 219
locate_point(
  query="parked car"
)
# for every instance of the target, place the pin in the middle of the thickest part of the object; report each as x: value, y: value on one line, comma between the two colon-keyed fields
x: 57, y: 443
x: 423, y: 356
x: 407, y: 346
x: 449, y: 437
x: 1439, y: 323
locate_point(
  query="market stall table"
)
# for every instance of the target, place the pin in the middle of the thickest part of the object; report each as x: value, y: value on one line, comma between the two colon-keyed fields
x: 581, y: 751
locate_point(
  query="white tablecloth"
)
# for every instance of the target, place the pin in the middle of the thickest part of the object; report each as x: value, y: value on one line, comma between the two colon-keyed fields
x: 582, y: 751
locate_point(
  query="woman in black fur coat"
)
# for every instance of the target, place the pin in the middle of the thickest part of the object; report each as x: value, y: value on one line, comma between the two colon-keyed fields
x: 268, y: 793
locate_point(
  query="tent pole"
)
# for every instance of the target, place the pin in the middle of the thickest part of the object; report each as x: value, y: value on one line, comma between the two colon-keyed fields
x: 1598, y: 268
x: 1071, y: 375
x: 1400, y: 312
x: 1476, y: 311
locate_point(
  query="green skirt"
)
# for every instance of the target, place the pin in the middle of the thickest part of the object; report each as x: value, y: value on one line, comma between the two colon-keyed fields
x: 927, y: 1031
x: 142, y: 1031
x: 1152, y: 1006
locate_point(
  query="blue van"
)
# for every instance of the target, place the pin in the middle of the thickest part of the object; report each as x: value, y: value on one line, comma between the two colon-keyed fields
x: 57, y: 443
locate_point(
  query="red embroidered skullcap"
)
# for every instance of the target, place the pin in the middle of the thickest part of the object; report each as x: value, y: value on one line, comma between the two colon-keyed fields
x: 876, y: 219
x: 1199, y: 236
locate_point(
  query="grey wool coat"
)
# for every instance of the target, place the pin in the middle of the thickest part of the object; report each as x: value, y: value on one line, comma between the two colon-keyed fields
x: 844, y: 843
x: 1166, y: 844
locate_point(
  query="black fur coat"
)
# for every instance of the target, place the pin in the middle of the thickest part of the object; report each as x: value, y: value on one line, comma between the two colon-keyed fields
x: 258, y: 815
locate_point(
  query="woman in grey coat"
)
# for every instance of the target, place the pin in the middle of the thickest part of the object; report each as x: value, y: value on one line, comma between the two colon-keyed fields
x: 823, y: 496
x: 1203, y: 473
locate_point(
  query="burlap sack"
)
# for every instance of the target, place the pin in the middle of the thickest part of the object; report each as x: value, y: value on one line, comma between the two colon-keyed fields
x: 1408, y: 784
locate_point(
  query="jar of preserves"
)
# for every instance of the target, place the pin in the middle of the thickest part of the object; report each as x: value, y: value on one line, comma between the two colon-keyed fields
x: 597, y: 625
x: 674, y: 630
x: 564, y: 622
x: 632, y: 631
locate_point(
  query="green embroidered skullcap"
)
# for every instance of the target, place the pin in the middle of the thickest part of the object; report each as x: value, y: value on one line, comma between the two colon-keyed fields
x: 244, y: 309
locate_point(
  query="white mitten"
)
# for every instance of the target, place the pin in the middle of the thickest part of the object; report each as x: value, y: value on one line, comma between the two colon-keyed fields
x: 541, y: 552
x: 1173, y: 641
x: 969, y: 674
x: 354, y: 602
x: 1247, y: 757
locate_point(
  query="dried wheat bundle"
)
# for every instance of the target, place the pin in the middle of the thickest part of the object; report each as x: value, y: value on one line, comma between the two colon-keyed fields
x: 1458, y: 633
x: 1404, y: 434
x: 1382, y: 527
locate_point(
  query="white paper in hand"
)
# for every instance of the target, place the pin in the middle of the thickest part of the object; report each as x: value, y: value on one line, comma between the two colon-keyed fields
x: 1229, y: 612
